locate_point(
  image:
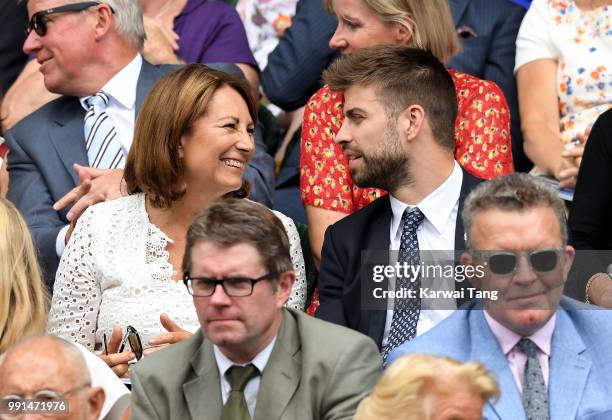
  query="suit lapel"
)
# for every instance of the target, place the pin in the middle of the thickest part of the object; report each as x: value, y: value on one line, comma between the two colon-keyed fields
x: 149, y: 75
x: 467, y: 185
x: 457, y: 9
x: 485, y: 349
x: 569, y: 369
x: 379, y: 240
x: 282, y: 374
x: 67, y: 135
x: 203, y: 393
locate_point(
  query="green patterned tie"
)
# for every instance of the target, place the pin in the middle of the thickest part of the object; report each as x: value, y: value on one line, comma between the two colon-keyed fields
x: 236, y: 406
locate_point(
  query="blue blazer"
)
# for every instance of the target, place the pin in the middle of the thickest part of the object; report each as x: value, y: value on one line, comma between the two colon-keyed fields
x: 44, y: 146
x: 580, y: 363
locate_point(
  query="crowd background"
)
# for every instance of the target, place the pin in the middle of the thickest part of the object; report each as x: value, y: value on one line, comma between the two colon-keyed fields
x: 533, y: 86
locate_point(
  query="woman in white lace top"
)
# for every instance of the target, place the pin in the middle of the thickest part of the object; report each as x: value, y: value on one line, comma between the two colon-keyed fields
x: 192, y: 142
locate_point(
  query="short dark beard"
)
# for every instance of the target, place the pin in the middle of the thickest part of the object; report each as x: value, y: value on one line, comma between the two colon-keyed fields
x: 388, y: 169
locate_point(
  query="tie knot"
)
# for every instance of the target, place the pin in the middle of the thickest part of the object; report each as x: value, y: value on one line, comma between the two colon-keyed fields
x: 412, y: 218
x: 527, y: 346
x: 239, y: 376
x: 100, y: 99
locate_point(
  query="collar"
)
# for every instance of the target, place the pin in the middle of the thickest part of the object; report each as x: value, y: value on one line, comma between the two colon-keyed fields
x: 122, y: 86
x: 507, y: 338
x: 260, y: 361
x: 437, y: 206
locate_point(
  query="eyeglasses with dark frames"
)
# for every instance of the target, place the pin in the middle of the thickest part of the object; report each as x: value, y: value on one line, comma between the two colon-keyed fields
x: 38, y: 21
x: 133, y: 339
x: 504, y: 263
x: 232, y: 286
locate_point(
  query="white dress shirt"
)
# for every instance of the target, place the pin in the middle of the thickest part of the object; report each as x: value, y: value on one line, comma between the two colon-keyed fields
x: 121, y: 108
x: 436, y: 232
x: 252, y: 387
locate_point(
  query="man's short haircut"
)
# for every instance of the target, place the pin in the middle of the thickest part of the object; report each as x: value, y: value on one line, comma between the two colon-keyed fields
x: 409, y: 387
x: 429, y: 22
x: 169, y: 111
x: 128, y: 20
x: 76, y: 361
x: 516, y: 192
x: 235, y: 221
x: 402, y: 76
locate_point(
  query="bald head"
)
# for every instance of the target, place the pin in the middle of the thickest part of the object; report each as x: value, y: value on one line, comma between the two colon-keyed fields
x: 50, y: 363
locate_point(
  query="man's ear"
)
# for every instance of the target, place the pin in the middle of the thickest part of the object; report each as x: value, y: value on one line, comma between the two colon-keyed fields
x: 570, y: 254
x: 410, y: 121
x: 104, y: 20
x: 95, y: 402
x: 285, y: 285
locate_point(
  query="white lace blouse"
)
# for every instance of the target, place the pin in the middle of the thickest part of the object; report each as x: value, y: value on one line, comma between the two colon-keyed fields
x: 115, y: 270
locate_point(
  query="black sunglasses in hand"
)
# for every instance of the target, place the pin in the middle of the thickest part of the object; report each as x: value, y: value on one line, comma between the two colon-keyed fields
x: 133, y: 339
x: 38, y: 21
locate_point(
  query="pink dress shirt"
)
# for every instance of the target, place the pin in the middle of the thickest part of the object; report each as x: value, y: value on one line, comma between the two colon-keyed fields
x: 508, y: 339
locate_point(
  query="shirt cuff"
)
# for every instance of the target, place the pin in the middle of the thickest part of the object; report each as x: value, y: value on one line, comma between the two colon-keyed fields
x: 60, y: 241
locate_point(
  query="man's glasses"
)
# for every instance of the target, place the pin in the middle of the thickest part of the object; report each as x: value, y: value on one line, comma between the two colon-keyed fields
x: 504, y: 263
x: 38, y: 21
x: 232, y: 286
x: 45, y: 400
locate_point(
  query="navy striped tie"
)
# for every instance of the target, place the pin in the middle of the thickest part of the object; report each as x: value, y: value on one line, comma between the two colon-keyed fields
x: 101, y: 140
x: 406, y: 311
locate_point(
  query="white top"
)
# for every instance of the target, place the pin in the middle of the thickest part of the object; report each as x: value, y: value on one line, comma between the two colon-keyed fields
x: 117, y: 396
x: 121, y: 108
x: 115, y: 270
x: 580, y: 41
x: 436, y: 232
x: 252, y: 387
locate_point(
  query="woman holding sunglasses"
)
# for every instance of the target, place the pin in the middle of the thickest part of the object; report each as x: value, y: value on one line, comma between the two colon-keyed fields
x: 192, y: 142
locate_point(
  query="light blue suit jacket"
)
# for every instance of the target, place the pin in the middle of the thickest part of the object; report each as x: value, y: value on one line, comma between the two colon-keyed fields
x: 580, y: 376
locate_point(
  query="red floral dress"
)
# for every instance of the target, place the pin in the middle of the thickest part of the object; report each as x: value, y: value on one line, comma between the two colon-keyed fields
x: 482, y: 143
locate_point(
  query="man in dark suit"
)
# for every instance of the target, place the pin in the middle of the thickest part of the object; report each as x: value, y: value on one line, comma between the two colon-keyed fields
x: 549, y: 353
x: 83, y: 48
x: 487, y: 30
x: 252, y: 358
x: 400, y: 108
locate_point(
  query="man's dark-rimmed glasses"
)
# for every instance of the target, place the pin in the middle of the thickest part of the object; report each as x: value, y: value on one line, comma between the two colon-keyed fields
x: 232, y: 286
x: 38, y: 21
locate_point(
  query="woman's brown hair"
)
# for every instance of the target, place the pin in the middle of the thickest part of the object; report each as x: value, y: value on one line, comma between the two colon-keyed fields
x: 169, y: 112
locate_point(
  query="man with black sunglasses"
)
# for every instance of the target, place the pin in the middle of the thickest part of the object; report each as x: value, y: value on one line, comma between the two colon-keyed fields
x: 252, y: 358
x: 550, y: 353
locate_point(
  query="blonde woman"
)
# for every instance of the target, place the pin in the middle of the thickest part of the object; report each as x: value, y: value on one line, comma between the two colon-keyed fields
x: 424, y: 387
x: 23, y: 299
x: 24, y: 303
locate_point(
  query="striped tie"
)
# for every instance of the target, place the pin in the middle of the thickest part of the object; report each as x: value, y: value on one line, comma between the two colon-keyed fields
x: 102, y: 143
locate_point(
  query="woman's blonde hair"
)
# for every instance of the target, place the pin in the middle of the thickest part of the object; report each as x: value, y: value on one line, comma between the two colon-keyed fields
x: 23, y: 298
x: 407, y: 389
x: 429, y: 22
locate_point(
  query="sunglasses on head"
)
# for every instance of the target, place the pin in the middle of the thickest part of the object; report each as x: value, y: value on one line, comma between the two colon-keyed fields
x: 38, y: 21
x: 503, y: 263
